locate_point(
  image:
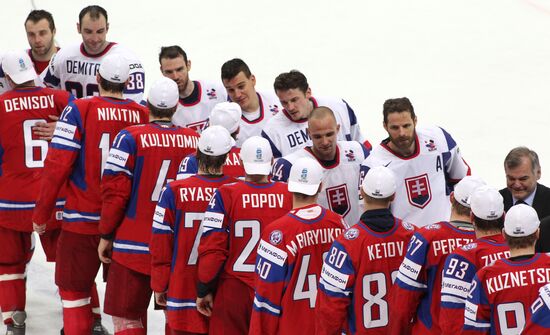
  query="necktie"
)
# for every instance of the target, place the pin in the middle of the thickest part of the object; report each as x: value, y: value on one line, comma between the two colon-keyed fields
x: 520, y: 202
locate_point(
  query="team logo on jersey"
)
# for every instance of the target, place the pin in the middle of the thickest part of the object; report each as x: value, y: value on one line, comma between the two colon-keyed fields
x: 211, y: 93
x: 469, y: 246
x: 351, y: 234
x: 430, y: 145
x: 408, y: 226
x: 433, y: 226
x: 274, y: 109
x: 418, y: 190
x: 350, y: 155
x: 338, y: 199
x: 276, y: 237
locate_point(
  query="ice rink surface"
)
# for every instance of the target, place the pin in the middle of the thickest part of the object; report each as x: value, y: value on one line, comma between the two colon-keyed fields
x: 479, y: 69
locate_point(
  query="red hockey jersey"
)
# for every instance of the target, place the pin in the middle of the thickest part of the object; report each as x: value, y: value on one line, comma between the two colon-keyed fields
x: 419, y: 279
x: 357, y: 276
x: 458, y: 273
x: 174, y: 248
x: 22, y: 154
x: 288, y: 267
x: 77, y: 155
x: 141, y: 160
x: 233, y: 223
x: 501, y: 294
x: 232, y: 167
x: 539, y: 323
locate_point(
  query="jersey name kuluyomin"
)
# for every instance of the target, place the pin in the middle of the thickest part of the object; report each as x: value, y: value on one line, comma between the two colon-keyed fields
x: 197, y: 193
x: 78, y: 67
x: 262, y: 200
x: 32, y: 102
x: 312, y: 237
x: 118, y: 114
x: 385, y: 250
x: 522, y: 278
x: 168, y: 140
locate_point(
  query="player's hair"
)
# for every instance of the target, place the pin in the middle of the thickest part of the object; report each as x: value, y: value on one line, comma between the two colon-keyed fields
x: 320, y: 113
x: 514, y: 158
x: 95, y: 12
x: 377, y: 201
x: 290, y: 80
x: 233, y: 67
x: 460, y: 209
x: 171, y: 52
x: 489, y: 225
x: 398, y: 105
x: 302, y: 196
x: 520, y: 242
x: 163, y: 113
x: 39, y: 14
x: 109, y: 86
x: 211, y: 164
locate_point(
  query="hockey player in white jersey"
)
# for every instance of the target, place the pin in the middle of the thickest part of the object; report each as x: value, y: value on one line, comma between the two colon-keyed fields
x: 257, y: 107
x: 74, y: 67
x: 426, y: 161
x: 286, y: 131
x: 197, y: 97
x: 340, y: 160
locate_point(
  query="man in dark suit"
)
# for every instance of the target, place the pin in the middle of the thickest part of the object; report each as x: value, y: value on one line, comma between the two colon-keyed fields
x: 522, y: 169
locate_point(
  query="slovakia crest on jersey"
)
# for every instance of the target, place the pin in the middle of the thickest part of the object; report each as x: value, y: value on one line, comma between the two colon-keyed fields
x: 276, y: 237
x: 418, y: 190
x: 338, y: 199
x: 351, y: 234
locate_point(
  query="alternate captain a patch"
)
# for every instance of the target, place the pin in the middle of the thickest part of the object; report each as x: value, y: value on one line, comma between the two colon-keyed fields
x: 338, y: 199
x: 418, y: 190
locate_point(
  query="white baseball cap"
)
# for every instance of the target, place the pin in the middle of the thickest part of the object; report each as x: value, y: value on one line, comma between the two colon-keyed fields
x: 256, y: 155
x: 18, y: 65
x: 227, y: 115
x: 215, y: 141
x: 115, y: 68
x: 379, y: 182
x: 464, y: 189
x: 521, y: 220
x: 487, y: 203
x: 164, y: 93
x: 306, y: 174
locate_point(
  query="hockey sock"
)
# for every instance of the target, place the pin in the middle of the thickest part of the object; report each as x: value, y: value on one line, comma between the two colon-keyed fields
x: 12, y: 294
x: 94, y: 302
x: 128, y: 327
x: 77, y: 313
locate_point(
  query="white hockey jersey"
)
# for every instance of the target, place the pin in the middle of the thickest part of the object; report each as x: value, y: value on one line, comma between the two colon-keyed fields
x: 73, y: 69
x: 269, y: 106
x: 286, y: 135
x: 425, y: 179
x: 193, y: 111
x: 340, y: 191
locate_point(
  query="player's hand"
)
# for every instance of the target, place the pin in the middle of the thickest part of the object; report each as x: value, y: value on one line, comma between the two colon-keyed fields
x: 160, y: 298
x: 39, y: 228
x: 44, y: 130
x: 204, y: 305
x: 104, y: 250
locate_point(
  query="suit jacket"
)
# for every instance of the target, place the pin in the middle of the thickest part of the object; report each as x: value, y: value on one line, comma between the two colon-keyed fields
x: 541, y: 204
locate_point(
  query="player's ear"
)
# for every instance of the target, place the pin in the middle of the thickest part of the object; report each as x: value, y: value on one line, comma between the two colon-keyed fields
x: 253, y: 78
x: 97, y: 78
x: 78, y: 27
x: 107, y: 28
x: 308, y: 93
x: 189, y: 65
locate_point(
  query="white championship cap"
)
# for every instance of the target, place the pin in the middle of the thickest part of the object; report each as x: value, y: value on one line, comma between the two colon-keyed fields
x: 227, y: 115
x: 464, y: 189
x: 115, y: 68
x: 306, y: 174
x: 18, y: 65
x: 215, y: 141
x: 379, y: 182
x: 487, y: 203
x: 164, y: 93
x: 256, y: 155
x: 521, y: 220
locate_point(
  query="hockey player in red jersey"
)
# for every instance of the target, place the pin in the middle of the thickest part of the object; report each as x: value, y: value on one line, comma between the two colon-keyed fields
x: 232, y: 226
x: 290, y: 257
x: 418, y: 282
x: 501, y: 293
x: 76, y: 157
x: 362, y: 263
x: 539, y: 323
x: 176, y: 233
x: 227, y: 115
x: 462, y: 265
x: 21, y: 162
x: 141, y: 160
